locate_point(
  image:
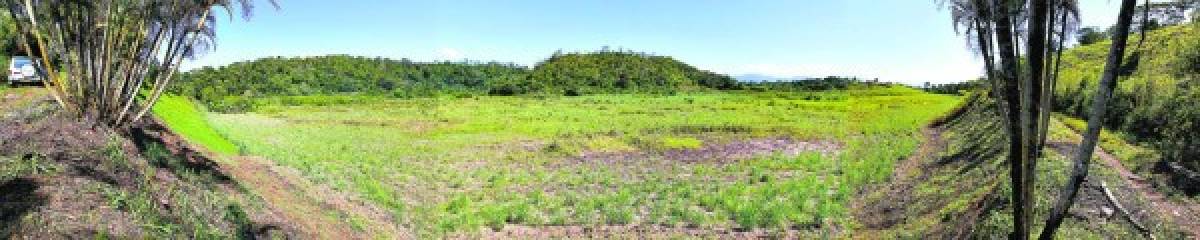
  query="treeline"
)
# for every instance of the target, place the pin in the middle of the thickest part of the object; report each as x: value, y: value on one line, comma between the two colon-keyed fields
x: 1161, y: 14
x: 231, y: 87
x: 813, y: 84
x: 1157, y: 101
x: 961, y: 88
x: 612, y: 72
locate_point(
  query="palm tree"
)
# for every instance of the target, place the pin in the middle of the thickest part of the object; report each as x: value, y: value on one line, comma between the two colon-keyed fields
x: 1022, y: 96
x: 1083, y: 156
x: 100, y: 54
x: 1031, y: 102
x: 1068, y: 14
x: 972, y: 19
x: 1009, y: 70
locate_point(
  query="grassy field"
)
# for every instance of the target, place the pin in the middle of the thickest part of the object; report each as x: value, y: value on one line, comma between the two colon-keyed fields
x: 776, y: 161
x: 188, y: 121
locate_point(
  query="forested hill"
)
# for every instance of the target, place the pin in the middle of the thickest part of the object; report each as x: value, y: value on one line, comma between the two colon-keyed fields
x: 574, y: 73
x: 279, y: 76
x: 610, y: 71
x: 1158, y: 104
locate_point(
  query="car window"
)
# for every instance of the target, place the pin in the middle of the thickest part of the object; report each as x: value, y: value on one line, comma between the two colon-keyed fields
x: 20, y: 62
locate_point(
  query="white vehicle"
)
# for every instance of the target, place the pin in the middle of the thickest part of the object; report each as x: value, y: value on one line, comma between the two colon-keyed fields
x: 23, y: 70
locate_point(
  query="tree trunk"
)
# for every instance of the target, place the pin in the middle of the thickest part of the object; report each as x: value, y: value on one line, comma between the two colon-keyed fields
x: 982, y: 34
x: 1052, y: 77
x: 1031, y: 103
x: 1083, y: 157
x: 1047, y: 90
x: 1008, y: 73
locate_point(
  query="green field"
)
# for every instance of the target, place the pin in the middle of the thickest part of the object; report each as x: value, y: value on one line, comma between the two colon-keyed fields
x: 772, y: 160
x: 187, y: 120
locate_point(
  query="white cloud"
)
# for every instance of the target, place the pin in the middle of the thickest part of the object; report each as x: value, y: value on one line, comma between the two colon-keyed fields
x: 449, y: 54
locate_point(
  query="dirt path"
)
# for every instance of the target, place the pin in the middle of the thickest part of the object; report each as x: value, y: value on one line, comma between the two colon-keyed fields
x: 318, y: 211
x: 1185, y: 215
x: 14, y: 98
x: 888, y: 206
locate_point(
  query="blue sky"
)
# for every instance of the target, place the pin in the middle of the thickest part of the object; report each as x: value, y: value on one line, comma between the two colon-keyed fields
x: 908, y: 41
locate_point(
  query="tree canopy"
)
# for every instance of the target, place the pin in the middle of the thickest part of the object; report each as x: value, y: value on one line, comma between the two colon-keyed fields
x: 566, y: 74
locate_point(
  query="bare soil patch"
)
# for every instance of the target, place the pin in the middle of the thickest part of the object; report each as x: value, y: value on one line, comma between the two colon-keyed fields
x: 627, y: 232
x: 721, y: 153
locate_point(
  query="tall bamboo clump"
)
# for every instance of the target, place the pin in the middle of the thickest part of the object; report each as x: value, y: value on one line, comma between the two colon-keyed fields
x: 108, y: 61
x: 1024, y: 89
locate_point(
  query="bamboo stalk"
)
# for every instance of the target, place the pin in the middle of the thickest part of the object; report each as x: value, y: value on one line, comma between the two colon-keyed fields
x: 159, y: 88
x: 58, y: 97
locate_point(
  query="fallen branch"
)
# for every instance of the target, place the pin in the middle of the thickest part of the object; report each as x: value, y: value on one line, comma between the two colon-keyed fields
x: 1111, y: 199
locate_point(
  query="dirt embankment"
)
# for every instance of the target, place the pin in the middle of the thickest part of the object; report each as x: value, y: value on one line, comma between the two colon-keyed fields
x: 312, y: 211
x: 62, y: 178
x: 951, y: 184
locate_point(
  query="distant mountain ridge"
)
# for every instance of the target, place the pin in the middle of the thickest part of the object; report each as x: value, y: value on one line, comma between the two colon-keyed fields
x: 755, y: 77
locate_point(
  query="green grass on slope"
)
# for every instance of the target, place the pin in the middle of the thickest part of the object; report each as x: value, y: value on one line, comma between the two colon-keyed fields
x: 1154, y: 106
x: 962, y: 190
x: 456, y: 165
x: 1134, y: 157
x: 183, y: 117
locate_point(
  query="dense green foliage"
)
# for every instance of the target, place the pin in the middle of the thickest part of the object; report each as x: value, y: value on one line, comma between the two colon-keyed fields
x: 611, y: 72
x: 960, y: 88
x: 811, y: 84
x: 228, y: 88
x: 1158, y: 104
x: 7, y: 41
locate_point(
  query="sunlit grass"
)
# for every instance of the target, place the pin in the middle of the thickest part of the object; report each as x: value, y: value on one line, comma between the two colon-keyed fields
x: 185, y: 119
x: 1132, y: 156
x: 456, y: 165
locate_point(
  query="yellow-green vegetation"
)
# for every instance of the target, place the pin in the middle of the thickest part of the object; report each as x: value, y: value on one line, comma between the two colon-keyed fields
x: 185, y: 119
x: 1131, y: 156
x: 445, y: 165
x: 681, y: 143
x: 1154, y: 105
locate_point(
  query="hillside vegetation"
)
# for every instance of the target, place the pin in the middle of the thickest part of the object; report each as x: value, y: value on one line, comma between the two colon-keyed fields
x: 228, y: 88
x: 1156, y: 105
x: 956, y: 187
x: 609, y: 72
